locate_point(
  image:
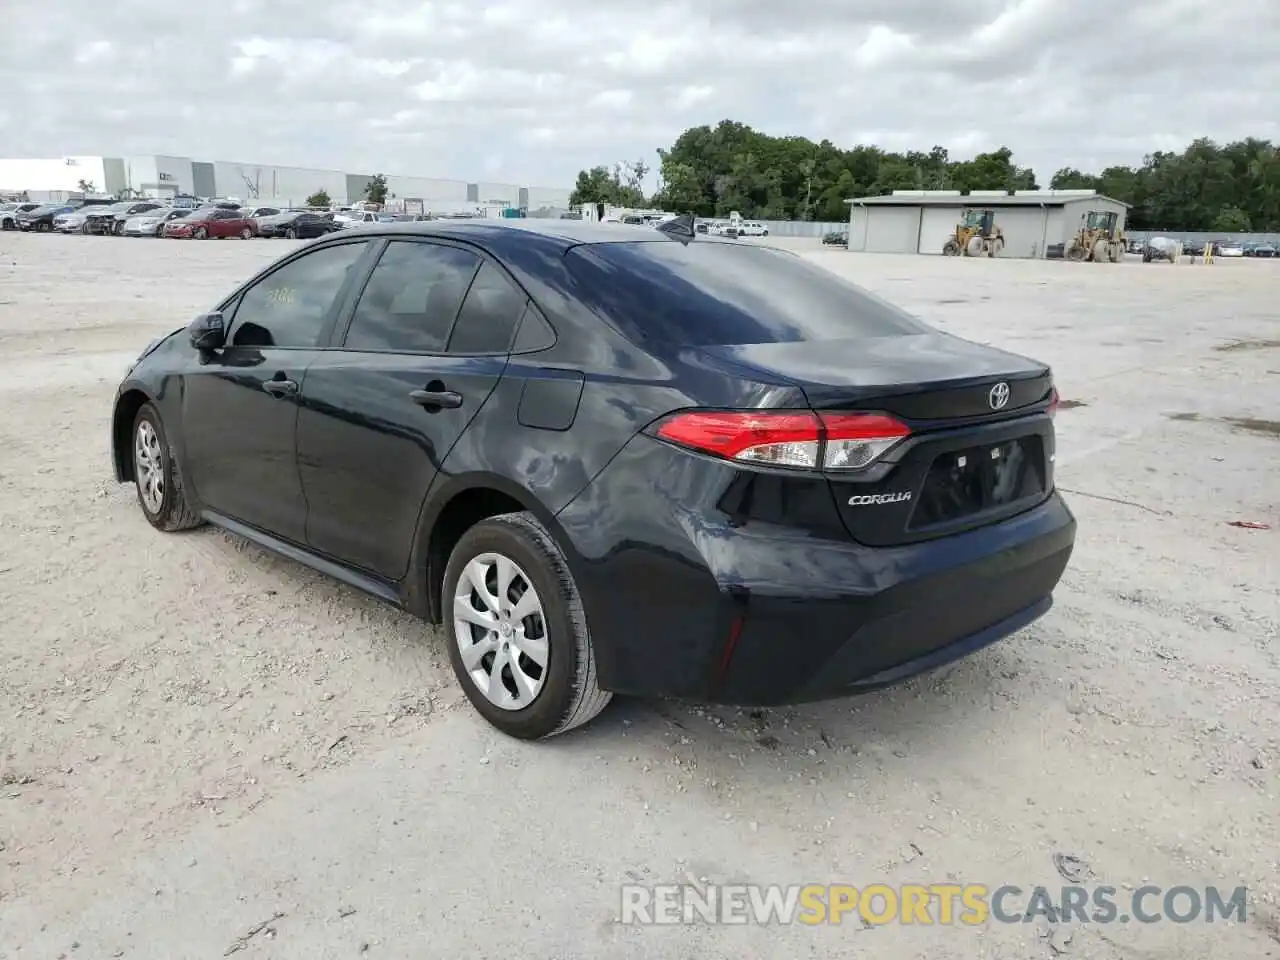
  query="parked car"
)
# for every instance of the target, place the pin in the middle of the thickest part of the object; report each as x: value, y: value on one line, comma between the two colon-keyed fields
x: 9, y: 213
x: 40, y: 219
x: 206, y: 222
x: 806, y: 461
x: 354, y: 218
x: 836, y: 238
x: 1264, y: 250
x: 152, y: 222
x: 111, y: 219
x: 74, y: 221
x: 254, y: 213
x: 752, y: 228
x: 1230, y: 248
x: 297, y: 225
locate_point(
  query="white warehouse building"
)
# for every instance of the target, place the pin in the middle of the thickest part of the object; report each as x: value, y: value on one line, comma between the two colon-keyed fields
x: 263, y: 184
x: 921, y: 221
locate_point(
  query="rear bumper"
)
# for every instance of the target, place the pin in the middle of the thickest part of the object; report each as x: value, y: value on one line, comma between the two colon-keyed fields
x: 684, y: 601
x: 806, y: 648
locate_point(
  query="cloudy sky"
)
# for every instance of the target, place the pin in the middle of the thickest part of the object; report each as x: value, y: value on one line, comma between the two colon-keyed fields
x: 530, y: 91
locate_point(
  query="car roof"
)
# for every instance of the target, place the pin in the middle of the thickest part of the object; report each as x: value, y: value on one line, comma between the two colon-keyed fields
x: 499, y: 232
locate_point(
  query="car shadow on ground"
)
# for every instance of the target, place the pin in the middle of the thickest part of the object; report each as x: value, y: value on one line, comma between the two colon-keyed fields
x: 929, y: 717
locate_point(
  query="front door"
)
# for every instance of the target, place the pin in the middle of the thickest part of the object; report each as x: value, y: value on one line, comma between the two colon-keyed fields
x: 427, y: 343
x: 240, y: 404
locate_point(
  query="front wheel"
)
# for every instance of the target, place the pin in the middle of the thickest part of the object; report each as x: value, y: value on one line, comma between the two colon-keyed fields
x: 246, y: 234
x: 951, y: 249
x: 291, y: 234
x: 517, y: 635
x: 201, y: 233
x: 155, y: 474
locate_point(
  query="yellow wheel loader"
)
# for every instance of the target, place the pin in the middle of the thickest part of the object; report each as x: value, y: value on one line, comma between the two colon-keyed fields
x: 976, y: 236
x: 1098, y: 240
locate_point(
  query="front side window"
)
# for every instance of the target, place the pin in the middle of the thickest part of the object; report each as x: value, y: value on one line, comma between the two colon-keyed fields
x: 412, y: 298
x: 289, y: 307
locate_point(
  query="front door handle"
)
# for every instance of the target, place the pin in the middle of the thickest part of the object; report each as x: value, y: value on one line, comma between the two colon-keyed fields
x: 436, y: 399
x: 280, y: 388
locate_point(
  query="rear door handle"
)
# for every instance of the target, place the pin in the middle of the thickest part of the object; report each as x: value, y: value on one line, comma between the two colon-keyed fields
x: 280, y: 388
x: 436, y: 399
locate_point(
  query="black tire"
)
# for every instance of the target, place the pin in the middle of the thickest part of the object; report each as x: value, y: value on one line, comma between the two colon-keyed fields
x: 84, y: 229
x: 173, y: 512
x: 951, y: 249
x: 201, y: 233
x: 570, y: 695
x: 246, y: 234
x: 291, y: 234
x: 45, y: 228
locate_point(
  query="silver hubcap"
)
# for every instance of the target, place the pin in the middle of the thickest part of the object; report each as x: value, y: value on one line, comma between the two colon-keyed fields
x: 149, y: 466
x: 500, y: 630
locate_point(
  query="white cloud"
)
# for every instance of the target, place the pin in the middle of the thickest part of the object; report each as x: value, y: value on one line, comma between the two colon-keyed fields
x: 533, y: 90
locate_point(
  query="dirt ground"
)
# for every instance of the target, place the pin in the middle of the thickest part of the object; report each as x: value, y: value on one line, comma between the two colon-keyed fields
x: 208, y: 750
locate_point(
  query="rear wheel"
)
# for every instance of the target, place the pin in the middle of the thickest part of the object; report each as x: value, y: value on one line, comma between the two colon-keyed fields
x: 246, y: 234
x: 156, y: 476
x: 518, y: 637
x: 84, y: 228
x: 1077, y: 252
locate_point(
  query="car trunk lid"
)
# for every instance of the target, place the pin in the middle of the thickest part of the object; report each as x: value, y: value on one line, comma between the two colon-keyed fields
x: 979, y: 445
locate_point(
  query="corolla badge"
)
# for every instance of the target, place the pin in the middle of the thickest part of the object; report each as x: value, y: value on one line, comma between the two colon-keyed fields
x: 876, y: 499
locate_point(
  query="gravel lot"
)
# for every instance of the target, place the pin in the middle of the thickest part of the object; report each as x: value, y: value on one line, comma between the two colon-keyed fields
x: 196, y: 736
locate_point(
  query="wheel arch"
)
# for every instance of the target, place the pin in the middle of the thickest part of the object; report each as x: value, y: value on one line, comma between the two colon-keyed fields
x: 128, y: 403
x: 452, y: 507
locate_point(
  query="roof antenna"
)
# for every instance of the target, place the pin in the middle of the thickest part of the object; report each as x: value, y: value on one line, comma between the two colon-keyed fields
x: 681, y: 227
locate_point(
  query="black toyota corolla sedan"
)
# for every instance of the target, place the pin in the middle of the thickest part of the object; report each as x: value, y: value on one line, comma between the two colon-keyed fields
x: 608, y: 460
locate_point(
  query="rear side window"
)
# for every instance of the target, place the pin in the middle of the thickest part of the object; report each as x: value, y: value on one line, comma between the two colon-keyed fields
x: 709, y: 293
x: 411, y: 299
x: 489, y: 314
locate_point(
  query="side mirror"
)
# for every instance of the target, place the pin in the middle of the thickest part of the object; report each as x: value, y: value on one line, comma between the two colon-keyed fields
x: 208, y: 332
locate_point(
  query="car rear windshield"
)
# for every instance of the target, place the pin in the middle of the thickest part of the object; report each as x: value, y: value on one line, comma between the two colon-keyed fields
x: 704, y: 293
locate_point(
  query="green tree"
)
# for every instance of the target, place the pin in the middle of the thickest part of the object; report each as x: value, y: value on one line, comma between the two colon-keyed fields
x: 85, y: 186
x: 319, y: 199
x: 711, y: 170
x: 1231, y: 220
x: 375, y: 191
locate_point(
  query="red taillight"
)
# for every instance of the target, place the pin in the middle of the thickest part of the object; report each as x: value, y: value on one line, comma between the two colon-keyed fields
x: 831, y: 441
x: 1053, y: 401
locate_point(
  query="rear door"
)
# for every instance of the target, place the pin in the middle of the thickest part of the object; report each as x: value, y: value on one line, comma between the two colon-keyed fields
x: 427, y: 341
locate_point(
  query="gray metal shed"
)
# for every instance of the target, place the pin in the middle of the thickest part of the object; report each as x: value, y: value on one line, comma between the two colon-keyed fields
x: 920, y: 221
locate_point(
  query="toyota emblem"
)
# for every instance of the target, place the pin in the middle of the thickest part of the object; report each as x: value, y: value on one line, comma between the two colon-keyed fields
x: 998, y: 396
